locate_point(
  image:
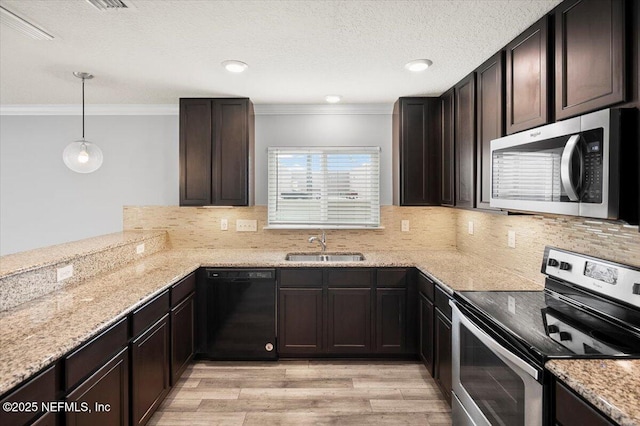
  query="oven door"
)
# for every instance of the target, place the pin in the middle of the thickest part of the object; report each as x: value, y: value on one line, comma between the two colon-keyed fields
x: 491, y: 385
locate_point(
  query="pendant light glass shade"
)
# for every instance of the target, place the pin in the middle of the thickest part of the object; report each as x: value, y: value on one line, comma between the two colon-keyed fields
x: 82, y: 156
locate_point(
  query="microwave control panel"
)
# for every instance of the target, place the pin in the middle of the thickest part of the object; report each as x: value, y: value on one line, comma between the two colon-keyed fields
x: 592, y: 183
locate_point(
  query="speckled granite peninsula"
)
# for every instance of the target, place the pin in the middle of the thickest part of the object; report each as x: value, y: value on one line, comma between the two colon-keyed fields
x: 613, y: 386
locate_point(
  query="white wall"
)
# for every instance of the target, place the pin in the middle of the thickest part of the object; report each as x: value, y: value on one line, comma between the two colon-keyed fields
x: 44, y: 203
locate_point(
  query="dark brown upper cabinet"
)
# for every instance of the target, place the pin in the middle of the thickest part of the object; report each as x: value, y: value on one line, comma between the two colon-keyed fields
x: 590, y: 56
x: 216, y: 152
x: 490, y: 115
x: 448, y: 152
x: 528, y: 62
x: 416, y: 152
x: 465, y: 141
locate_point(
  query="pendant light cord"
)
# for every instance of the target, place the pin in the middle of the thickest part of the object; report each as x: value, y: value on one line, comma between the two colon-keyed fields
x: 83, y: 108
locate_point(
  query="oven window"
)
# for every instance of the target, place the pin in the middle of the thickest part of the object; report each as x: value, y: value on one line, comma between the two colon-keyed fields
x: 494, y: 387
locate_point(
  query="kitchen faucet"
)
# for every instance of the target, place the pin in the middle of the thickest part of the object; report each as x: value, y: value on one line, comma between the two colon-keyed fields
x: 322, y: 240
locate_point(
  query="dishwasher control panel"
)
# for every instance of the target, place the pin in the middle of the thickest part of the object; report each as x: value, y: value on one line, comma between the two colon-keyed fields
x: 242, y: 274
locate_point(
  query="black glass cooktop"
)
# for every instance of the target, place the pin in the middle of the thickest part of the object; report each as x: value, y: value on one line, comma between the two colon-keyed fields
x: 543, y: 326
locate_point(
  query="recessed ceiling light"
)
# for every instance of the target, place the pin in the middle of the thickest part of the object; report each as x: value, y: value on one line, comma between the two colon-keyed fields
x: 418, y: 65
x: 235, y: 66
x: 333, y: 99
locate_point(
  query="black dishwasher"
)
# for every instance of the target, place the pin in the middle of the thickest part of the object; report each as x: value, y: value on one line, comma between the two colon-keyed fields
x: 236, y: 314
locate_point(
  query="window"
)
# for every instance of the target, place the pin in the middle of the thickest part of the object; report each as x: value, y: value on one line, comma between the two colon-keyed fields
x: 324, y: 187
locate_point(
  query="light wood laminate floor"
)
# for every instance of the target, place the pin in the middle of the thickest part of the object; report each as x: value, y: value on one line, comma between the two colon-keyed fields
x: 304, y: 393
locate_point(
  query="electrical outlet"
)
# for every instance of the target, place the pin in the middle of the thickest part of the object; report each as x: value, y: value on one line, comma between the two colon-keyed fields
x: 405, y: 226
x: 243, y: 225
x: 65, y: 272
x: 140, y: 248
x: 224, y: 224
x: 470, y: 228
x: 511, y: 239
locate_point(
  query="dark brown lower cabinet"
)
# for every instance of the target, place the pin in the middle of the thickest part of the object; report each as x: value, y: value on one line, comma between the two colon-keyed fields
x: 49, y: 419
x: 149, y: 370
x: 40, y: 389
x: 182, y: 336
x: 349, y: 320
x: 300, y: 321
x: 571, y: 410
x: 442, y: 369
x: 391, y: 307
x: 426, y: 312
x: 105, y: 393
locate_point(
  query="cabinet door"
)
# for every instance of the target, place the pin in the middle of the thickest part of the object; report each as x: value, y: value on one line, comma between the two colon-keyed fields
x: 300, y: 321
x: 419, y: 152
x: 149, y: 370
x: 391, y: 321
x: 448, y: 152
x: 490, y: 93
x: 182, y: 337
x: 527, y: 79
x: 443, y: 354
x: 570, y: 409
x: 195, y: 152
x: 465, y: 141
x: 230, y: 153
x: 349, y: 320
x: 426, y: 332
x: 41, y: 389
x: 590, y: 56
x: 107, y: 394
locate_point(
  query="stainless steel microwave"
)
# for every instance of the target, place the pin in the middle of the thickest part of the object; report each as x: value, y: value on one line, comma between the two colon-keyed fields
x: 583, y: 166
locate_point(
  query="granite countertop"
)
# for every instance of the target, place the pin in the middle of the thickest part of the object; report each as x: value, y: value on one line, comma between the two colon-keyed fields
x: 36, y: 333
x: 610, y: 385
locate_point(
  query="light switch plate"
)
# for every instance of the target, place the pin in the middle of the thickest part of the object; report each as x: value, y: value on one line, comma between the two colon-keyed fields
x: 224, y: 224
x: 470, y: 228
x: 244, y: 225
x: 65, y: 272
x: 511, y: 239
x: 140, y: 248
x: 405, y: 226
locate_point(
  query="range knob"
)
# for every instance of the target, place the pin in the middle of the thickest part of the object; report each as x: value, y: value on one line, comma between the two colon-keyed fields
x: 636, y: 288
x: 565, y: 335
x: 552, y: 262
x: 552, y: 329
x: 565, y: 266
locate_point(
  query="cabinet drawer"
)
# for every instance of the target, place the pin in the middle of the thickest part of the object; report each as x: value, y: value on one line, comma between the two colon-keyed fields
x: 392, y: 277
x: 148, y: 314
x: 93, y: 354
x: 426, y: 286
x: 182, y: 289
x: 42, y: 388
x: 349, y: 277
x: 442, y: 302
x: 300, y: 277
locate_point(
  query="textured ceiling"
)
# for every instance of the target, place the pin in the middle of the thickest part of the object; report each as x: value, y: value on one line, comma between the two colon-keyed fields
x: 297, y: 51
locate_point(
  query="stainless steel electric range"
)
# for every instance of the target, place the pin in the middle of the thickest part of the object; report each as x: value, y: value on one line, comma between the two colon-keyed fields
x: 590, y: 308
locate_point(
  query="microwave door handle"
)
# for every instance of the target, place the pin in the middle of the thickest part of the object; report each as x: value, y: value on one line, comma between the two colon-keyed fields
x: 566, y: 169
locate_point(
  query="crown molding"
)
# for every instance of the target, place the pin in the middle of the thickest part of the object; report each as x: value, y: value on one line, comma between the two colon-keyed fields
x: 323, y: 109
x: 173, y: 109
x: 104, y: 109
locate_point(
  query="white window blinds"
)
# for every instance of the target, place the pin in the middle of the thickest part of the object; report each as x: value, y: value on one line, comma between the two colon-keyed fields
x: 324, y: 187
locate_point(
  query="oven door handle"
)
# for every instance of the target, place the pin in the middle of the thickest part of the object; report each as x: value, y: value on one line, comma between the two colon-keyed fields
x: 566, y: 168
x: 492, y: 344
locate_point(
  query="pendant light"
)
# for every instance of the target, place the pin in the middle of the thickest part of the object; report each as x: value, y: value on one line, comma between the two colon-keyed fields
x: 82, y: 156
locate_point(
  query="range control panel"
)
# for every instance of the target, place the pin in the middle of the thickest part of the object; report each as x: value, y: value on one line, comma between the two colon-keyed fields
x: 614, y: 280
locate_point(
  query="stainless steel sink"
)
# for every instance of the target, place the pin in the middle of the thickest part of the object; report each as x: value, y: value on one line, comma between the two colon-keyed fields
x: 325, y: 257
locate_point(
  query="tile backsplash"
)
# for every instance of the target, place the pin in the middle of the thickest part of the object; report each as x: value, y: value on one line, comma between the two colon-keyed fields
x: 193, y: 227
x: 605, y: 239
